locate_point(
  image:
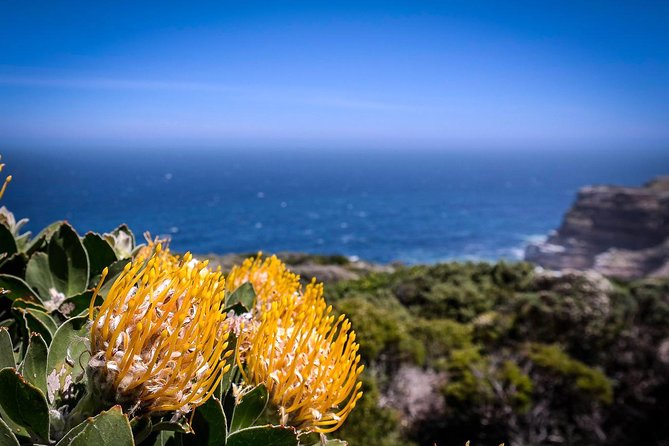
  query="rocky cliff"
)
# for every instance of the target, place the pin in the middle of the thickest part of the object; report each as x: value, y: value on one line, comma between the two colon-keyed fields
x: 617, y: 231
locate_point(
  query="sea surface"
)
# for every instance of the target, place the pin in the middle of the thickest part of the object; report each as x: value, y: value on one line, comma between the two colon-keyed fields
x: 395, y: 205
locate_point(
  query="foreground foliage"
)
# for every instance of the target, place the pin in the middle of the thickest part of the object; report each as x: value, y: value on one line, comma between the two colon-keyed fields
x: 106, y: 342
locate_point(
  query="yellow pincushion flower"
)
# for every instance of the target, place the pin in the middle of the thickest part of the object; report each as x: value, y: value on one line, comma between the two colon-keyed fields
x: 159, y: 340
x: 149, y: 248
x: 270, y: 279
x: 308, y: 361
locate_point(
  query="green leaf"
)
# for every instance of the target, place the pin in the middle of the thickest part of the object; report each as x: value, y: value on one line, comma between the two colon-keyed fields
x: 68, y: 261
x: 7, y: 438
x: 77, y: 305
x: 179, y: 425
x: 209, y: 425
x: 22, y: 240
x: 33, y: 367
x: 236, y: 308
x: 38, y: 275
x: 114, y: 270
x: 17, y: 288
x: 232, y: 374
x: 41, y: 239
x: 24, y: 403
x: 244, y: 295
x: 249, y: 408
x: 109, y: 428
x: 69, y: 436
x: 122, y: 240
x: 141, y: 428
x: 15, y: 265
x: 67, y: 353
x: 264, y: 435
x: 21, y: 303
x: 7, y: 242
x: 19, y: 431
x: 161, y: 438
x: 6, y: 349
x: 40, y: 322
x: 228, y: 378
x: 100, y: 253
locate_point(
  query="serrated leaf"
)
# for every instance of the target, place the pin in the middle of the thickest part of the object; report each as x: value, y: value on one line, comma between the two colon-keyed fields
x: 100, y: 253
x: 109, y: 428
x: 7, y: 242
x: 244, y: 294
x: 249, y: 408
x: 264, y: 435
x: 7, y: 437
x: 6, y: 349
x: 16, y: 288
x: 33, y: 367
x: 68, y: 261
x: 38, y: 275
x: 24, y: 403
x: 67, y: 354
x: 209, y: 425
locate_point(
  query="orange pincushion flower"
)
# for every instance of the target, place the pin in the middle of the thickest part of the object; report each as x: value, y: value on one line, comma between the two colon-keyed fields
x: 159, y: 340
x: 308, y: 361
x: 270, y: 279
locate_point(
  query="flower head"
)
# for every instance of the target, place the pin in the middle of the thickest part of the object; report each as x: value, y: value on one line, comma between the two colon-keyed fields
x: 307, y: 359
x: 272, y: 282
x: 149, y: 249
x: 159, y: 340
x: 270, y: 279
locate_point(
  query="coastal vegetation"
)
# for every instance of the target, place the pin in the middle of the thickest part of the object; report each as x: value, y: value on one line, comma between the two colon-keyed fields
x: 505, y: 353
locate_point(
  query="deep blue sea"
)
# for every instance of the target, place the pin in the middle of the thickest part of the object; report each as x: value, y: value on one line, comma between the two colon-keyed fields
x: 422, y: 206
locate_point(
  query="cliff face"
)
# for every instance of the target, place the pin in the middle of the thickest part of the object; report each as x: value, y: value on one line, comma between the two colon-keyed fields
x: 617, y: 231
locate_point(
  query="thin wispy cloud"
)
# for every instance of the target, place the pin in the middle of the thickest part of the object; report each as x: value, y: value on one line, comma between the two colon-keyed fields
x: 277, y: 94
x: 112, y: 84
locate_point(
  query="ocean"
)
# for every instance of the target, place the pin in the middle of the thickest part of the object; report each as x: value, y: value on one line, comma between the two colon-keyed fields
x: 395, y: 205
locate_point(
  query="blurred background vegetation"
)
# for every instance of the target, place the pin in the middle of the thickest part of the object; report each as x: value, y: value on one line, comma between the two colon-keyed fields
x: 505, y: 353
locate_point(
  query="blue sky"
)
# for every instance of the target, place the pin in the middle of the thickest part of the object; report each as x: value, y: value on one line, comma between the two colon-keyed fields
x: 336, y: 74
